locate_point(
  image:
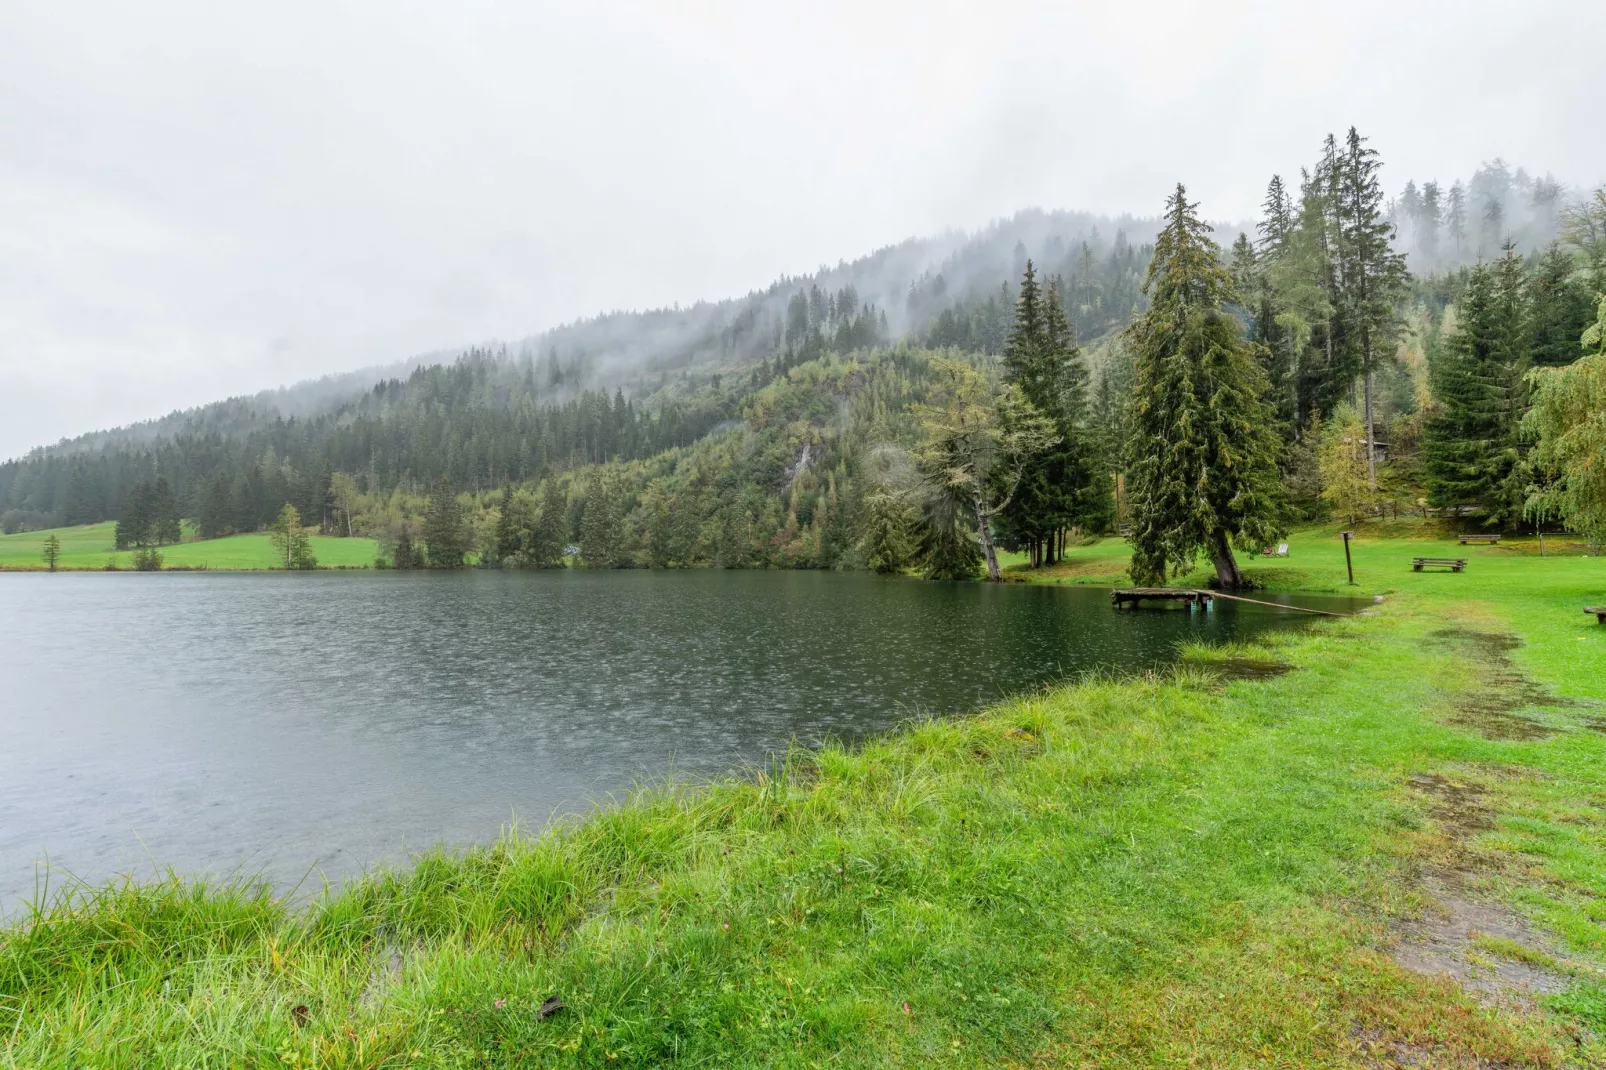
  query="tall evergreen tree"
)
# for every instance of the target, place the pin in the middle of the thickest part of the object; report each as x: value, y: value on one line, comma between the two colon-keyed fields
x: 1559, y: 309
x: 1455, y: 216
x: 406, y: 556
x: 599, y: 527
x: 446, y: 537
x: 1472, y: 448
x: 547, y: 538
x: 946, y: 546
x: 1427, y: 227
x: 508, y: 542
x: 887, y: 543
x: 1277, y: 217
x: 149, y: 516
x: 1204, y: 447
x: 1041, y: 359
x: 214, y: 511
x: 1373, y: 274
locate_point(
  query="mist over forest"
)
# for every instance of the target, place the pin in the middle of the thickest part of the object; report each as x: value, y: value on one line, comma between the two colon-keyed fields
x: 626, y: 386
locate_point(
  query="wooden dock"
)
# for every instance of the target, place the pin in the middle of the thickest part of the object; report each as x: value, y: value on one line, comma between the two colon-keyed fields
x: 1136, y: 596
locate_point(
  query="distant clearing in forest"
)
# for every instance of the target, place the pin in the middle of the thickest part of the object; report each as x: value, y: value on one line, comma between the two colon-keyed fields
x: 91, y: 546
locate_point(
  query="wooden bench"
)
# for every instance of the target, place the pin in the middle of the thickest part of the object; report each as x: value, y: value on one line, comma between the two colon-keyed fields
x: 1599, y: 611
x: 1454, y: 564
x: 1491, y: 540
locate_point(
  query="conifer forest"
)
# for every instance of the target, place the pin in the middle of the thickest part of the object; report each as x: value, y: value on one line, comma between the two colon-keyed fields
x: 1360, y: 350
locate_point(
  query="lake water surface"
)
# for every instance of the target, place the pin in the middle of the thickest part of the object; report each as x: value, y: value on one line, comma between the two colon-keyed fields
x: 281, y: 724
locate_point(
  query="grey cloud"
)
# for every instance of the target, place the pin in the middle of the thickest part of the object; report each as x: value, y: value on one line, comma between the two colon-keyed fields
x: 202, y: 199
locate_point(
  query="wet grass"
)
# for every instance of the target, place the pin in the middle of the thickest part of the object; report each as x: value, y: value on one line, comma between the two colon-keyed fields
x: 92, y: 547
x: 1201, y: 868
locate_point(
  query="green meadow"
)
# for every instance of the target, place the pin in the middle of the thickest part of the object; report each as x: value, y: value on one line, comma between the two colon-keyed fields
x: 92, y: 546
x: 1375, y: 841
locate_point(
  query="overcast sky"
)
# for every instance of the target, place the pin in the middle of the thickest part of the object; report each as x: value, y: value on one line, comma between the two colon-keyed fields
x: 206, y: 199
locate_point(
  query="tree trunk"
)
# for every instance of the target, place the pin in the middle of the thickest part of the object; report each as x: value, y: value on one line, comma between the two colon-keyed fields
x: 1371, y: 451
x: 1226, y: 565
x: 984, y: 533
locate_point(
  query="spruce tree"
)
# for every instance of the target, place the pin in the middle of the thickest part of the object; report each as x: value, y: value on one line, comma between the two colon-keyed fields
x: 1277, y: 222
x: 1455, y: 216
x: 1041, y: 359
x: 406, y: 555
x: 1472, y: 448
x: 1373, y: 275
x: 213, y: 515
x: 445, y: 534
x: 1559, y: 310
x: 507, y: 526
x: 946, y: 547
x: 1204, y: 447
x: 134, y: 522
x: 599, y: 526
x: 1427, y: 227
x: 549, y: 534
x: 165, y: 526
x: 886, y: 542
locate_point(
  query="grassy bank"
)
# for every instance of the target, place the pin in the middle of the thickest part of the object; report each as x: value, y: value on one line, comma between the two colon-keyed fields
x: 93, y: 546
x: 1194, y: 870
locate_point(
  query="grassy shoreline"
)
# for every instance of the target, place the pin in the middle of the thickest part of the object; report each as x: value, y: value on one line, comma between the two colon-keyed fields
x: 92, y: 548
x: 1174, y: 870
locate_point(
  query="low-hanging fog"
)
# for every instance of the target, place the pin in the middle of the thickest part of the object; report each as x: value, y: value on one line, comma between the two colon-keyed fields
x: 197, y: 201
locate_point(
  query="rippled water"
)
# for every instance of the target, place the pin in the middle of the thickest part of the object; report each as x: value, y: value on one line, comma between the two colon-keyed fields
x: 292, y: 723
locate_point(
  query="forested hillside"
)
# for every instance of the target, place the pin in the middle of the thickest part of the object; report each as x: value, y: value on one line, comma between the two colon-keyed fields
x: 805, y: 425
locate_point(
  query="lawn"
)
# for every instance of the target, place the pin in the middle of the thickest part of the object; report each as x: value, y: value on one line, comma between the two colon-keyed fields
x: 1392, y: 854
x: 91, y: 546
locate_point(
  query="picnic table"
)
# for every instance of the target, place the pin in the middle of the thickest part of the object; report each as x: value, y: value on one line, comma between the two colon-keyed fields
x: 1599, y: 611
x: 1454, y: 564
x: 1491, y: 540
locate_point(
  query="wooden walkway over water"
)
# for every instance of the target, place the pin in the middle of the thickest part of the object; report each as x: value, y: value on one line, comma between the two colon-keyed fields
x: 1136, y: 596
x: 1123, y: 597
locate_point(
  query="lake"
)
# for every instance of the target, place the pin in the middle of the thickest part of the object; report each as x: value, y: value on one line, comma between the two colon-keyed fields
x: 286, y: 724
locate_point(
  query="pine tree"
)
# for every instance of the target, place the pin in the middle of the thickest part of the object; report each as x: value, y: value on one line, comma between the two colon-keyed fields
x: 1277, y: 222
x: 1455, y: 216
x: 406, y: 556
x: 1204, y: 447
x: 445, y: 534
x: 1472, y: 448
x: 886, y: 542
x: 1559, y: 310
x: 133, y: 523
x: 1373, y: 274
x: 549, y: 534
x: 946, y: 547
x: 599, y: 527
x: 213, y: 515
x: 1041, y: 359
x: 508, y: 542
x: 149, y: 516
x: 1427, y: 227
x: 52, y: 551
